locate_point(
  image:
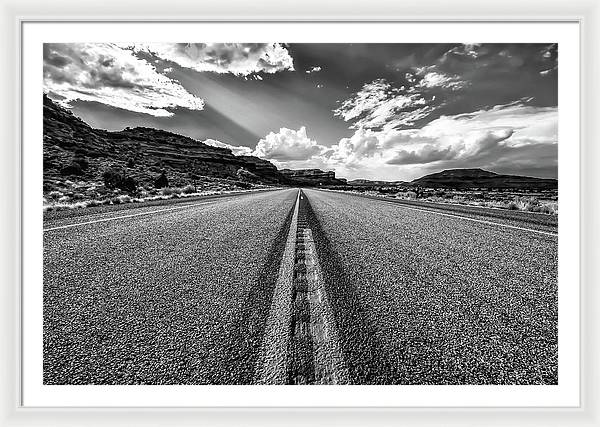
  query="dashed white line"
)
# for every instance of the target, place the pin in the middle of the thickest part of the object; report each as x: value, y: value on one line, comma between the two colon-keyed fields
x: 77, y: 224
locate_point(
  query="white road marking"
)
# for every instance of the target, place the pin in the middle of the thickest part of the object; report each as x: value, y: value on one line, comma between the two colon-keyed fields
x: 60, y: 227
x: 328, y: 361
x: 271, y: 365
x: 471, y: 219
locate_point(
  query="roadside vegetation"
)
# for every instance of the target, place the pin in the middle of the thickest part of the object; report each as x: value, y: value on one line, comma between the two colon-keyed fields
x: 545, y: 202
x: 117, y: 187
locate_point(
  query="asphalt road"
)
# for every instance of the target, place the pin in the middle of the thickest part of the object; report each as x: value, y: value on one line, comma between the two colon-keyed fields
x: 173, y: 297
x: 181, y: 293
x: 424, y: 297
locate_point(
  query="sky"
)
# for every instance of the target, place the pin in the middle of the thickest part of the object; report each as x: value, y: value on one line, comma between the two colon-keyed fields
x: 372, y: 111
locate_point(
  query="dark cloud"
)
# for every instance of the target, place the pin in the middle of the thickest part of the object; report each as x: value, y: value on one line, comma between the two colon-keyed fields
x: 427, y: 154
x: 53, y: 59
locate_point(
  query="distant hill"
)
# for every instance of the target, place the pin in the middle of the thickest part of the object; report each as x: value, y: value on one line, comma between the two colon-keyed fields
x: 479, y: 178
x: 369, y: 183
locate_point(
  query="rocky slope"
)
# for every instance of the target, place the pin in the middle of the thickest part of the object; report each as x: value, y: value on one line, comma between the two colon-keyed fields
x: 74, y: 151
x: 479, y: 178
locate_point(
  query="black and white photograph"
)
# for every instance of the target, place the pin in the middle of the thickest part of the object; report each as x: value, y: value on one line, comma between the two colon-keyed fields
x: 300, y: 213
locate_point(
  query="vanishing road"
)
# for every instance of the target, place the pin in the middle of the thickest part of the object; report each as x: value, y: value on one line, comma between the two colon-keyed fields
x: 300, y: 287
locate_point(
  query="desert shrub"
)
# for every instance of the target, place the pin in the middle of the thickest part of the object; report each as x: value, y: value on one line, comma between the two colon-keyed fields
x: 92, y: 203
x: 512, y: 205
x: 124, y: 198
x: 161, y: 181
x: 550, y: 208
x: 171, y: 191
x: 112, y: 178
x: 189, y: 189
x: 129, y: 184
x: 115, y: 178
x: 244, y: 185
x: 130, y: 163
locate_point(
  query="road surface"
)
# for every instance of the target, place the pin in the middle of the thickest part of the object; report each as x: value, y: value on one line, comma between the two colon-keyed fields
x: 289, y: 287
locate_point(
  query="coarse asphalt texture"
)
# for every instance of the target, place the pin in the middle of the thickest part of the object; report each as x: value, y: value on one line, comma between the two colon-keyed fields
x: 181, y: 293
x: 423, y: 298
x: 178, y: 297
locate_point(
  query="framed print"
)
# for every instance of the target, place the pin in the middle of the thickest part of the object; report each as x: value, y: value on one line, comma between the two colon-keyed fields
x: 226, y: 219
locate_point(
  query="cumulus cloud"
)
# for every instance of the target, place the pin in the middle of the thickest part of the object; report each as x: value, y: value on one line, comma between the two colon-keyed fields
x: 288, y: 145
x: 241, y: 59
x: 510, y: 138
x: 237, y: 150
x: 111, y: 75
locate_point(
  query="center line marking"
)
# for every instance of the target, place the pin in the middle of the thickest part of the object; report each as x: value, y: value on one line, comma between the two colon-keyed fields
x: 300, y: 344
x: 271, y: 366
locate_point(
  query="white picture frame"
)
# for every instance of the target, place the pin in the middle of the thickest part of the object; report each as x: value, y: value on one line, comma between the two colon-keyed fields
x: 15, y: 13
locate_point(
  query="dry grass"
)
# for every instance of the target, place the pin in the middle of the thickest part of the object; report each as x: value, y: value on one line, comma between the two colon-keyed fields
x: 509, y: 202
x: 59, y: 202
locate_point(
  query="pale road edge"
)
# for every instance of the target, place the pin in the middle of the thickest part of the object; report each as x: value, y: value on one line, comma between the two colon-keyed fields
x: 114, y: 218
x: 271, y: 366
x: 466, y: 218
